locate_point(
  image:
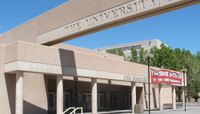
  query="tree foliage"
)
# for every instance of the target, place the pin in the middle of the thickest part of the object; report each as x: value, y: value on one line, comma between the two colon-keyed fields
x: 134, y: 56
x: 116, y: 52
x: 174, y: 59
x: 178, y: 59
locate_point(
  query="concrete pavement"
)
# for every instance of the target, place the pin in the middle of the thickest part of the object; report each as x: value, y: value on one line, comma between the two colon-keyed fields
x: 192, y: 108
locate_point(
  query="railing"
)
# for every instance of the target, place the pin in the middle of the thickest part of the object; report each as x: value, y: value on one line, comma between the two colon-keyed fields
x: 67, y: 110
x: 74, y: 110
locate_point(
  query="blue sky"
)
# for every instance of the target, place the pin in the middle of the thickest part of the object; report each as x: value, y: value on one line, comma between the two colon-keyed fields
x: 180, y: 28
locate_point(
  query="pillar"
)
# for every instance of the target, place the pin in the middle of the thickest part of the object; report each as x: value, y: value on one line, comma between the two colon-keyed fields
x: 183, y: 101
x: 59, y: 94
x: 94, y: 95
x: 160, y: 97
x: 173, y: 98
x: 133, y: 96
x: 19, y: 93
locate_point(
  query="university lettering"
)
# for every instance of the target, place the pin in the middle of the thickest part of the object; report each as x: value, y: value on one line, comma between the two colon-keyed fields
x: 130, y: 8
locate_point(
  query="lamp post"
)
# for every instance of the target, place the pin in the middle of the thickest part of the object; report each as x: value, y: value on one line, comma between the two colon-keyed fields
x: 184, y: 75
x: 149, y: 55
x: 149, y: 94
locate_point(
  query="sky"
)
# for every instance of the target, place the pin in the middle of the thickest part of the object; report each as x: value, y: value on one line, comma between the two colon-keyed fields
x: 178, y: 29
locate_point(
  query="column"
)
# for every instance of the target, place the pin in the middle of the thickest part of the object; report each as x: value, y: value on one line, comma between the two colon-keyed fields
x: 19, y: 93
x: 133, y: 96
x: 184, y: 105
x: 59, y: 94
x: 94, y: 96
x: 160, y: 97
x: 173, y: 98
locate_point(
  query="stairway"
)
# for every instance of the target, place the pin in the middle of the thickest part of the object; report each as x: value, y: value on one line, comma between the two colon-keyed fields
x: 73, y: 110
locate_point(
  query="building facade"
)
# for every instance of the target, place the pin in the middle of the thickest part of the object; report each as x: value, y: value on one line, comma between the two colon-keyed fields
x: 37, y: 71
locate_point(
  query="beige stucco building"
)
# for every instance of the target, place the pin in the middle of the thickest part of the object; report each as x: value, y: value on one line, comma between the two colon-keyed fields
x: 40, y: 68
x: 40, y: 76
x: 147, y: 45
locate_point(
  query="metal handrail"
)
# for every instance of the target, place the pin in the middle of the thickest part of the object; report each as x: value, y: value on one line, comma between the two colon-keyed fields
x: 76, y: 109
x: 70, y: 108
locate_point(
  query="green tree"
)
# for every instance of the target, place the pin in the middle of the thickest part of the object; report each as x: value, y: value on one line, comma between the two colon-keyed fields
x: 174, y: 59
x: 142, y: 55
x: 134, y: 56
x: 198, y: 55
x: 164, y: 57
x: 116, y: 52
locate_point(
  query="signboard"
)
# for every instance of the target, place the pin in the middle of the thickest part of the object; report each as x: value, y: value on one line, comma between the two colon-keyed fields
x: 138, y: 79
x: 169, y: 77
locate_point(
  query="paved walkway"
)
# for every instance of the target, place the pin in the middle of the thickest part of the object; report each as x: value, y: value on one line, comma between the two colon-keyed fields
x: 192, y: 108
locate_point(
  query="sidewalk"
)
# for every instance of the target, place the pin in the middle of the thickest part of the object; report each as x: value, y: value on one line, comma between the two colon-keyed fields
x: 192, y: 108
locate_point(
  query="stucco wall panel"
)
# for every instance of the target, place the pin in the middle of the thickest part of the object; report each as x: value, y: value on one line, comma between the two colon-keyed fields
x: 89, y: 52
x: 38, y: 53
x: 11, y: 52
x: 109, y: 65
x: 33, y: 53
x: 35, y: 94
x: 4, y: 98
x: 167, y: 95
x: 26, y: 32
x: 30, y: 52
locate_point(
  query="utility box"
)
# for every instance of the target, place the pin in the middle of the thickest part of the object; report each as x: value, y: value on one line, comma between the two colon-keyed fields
x: 139, y: 108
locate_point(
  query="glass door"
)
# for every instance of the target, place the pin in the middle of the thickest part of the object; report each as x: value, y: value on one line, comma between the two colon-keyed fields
x: 87, y: 101
x: 101, y: 101
x: 129, y: 100
x: 52, y: 101
x: 67, y: 100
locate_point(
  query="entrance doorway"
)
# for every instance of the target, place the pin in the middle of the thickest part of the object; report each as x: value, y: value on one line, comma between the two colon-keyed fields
x: 67, y: 100
x: 101, y: 101
x: 114, y: 97
x: 139, y: 95
x: 129, y: 100
x: 87, y: 101
x: 51, y: 101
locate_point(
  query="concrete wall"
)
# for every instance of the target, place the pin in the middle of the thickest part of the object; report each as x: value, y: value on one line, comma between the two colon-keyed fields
x: 32, y: 53
x: 88, y: 51
x: 4, y: 96
x: 64, y: 57
x: 167, y: 94
x: 35, y: 97
x: 35, y: 94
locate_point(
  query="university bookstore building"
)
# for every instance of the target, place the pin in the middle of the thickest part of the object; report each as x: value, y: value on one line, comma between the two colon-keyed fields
x: 41, y: 75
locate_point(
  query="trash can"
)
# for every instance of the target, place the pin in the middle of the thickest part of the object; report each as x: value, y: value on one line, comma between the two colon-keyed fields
x: 139, y: 108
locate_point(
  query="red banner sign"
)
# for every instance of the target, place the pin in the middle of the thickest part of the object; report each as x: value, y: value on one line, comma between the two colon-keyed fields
x: 167, y: 77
